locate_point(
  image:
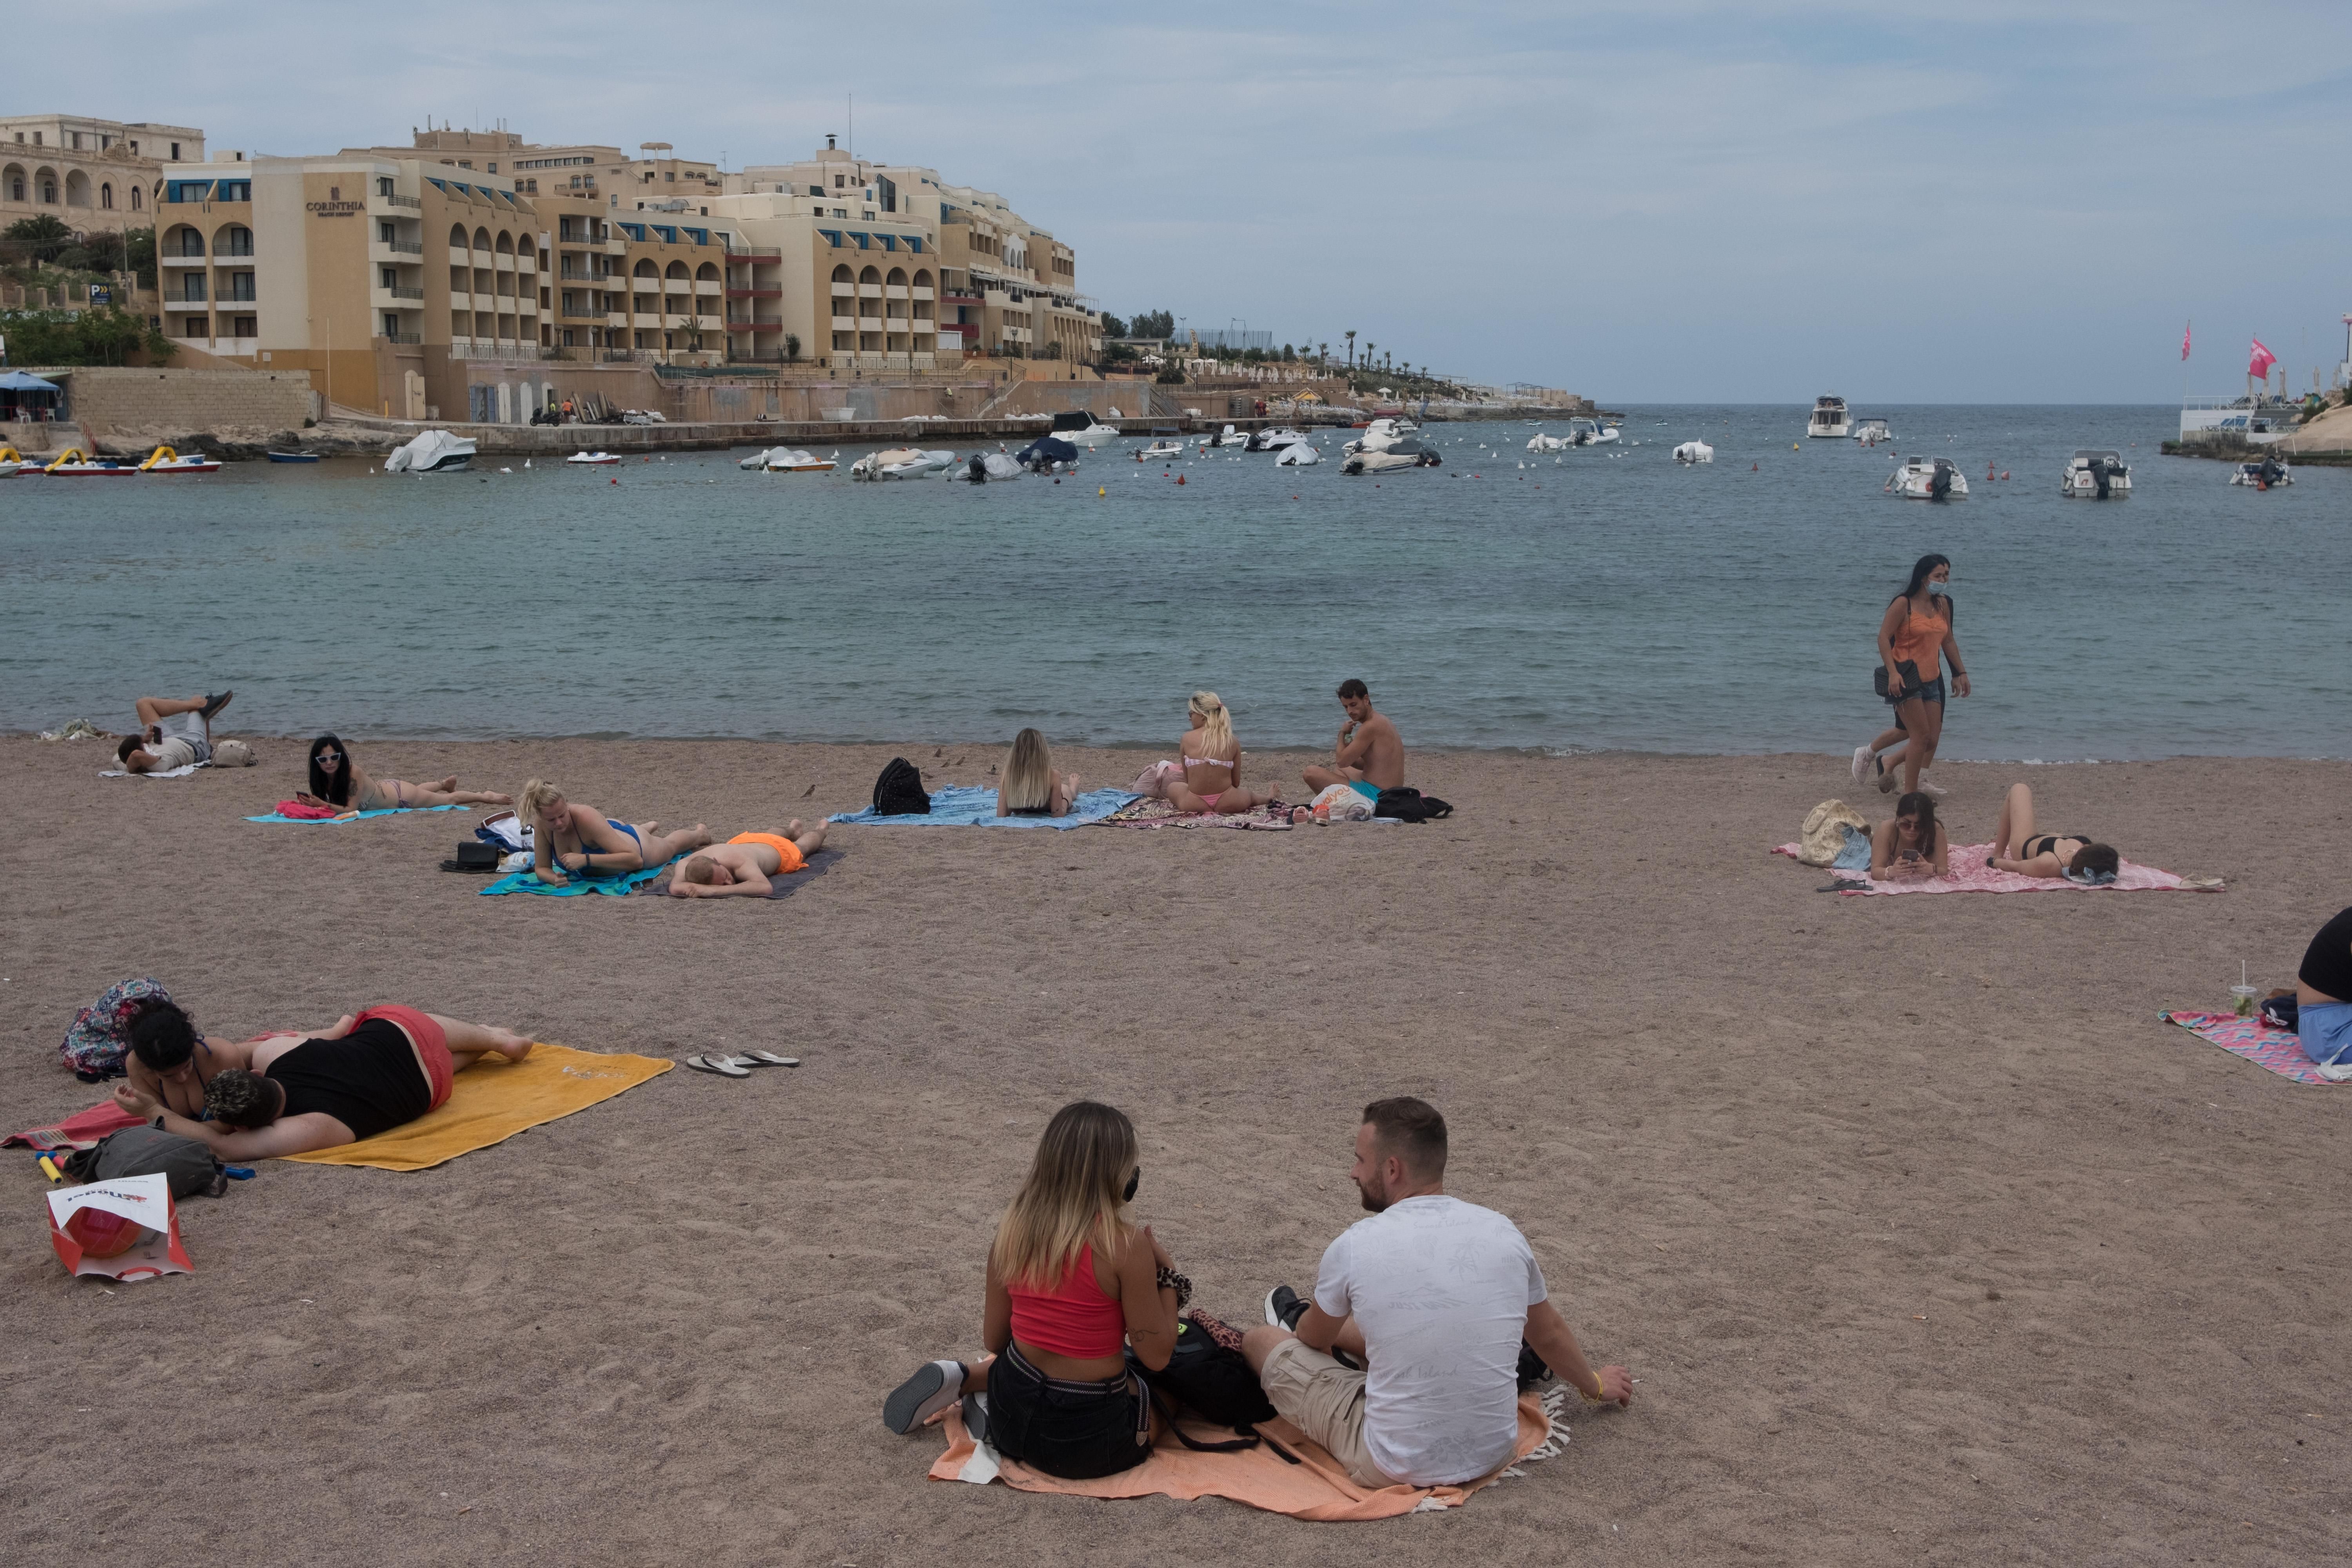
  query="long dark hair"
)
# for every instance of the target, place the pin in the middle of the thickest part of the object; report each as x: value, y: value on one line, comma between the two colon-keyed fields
x: 1925, y: 565
x: 1921, y: 804
x: 339, y: 791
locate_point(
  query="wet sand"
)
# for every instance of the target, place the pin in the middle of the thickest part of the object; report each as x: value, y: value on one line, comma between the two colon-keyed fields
x: 1925, y: 1240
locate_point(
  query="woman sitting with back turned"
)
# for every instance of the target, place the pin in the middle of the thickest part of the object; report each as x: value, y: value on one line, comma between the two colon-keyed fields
x: 2017, y: 847
x: 340, y: 783
x: 1212, y: 760
x: 1911, y: 847
x: 1072, y: 1284
x: 1030, y: 786
x: 570, y: 840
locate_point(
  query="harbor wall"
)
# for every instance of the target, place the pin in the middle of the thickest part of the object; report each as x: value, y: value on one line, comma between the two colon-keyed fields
x: 100, y: 399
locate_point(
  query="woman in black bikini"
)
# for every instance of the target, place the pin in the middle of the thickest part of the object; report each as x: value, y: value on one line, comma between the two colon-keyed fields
x: 1030, y: 786
x: 2017, y: 847
x: 340, y: 783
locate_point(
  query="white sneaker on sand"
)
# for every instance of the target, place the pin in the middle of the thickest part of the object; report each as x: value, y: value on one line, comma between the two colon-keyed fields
x: 1861, y: 755
x: 1927, y: 788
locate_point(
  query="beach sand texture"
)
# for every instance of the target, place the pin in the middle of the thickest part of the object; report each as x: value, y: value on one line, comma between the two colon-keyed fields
x: 1926, y: 1241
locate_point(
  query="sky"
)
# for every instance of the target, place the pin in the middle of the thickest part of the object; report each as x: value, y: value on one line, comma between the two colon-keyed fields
x: 1645, y: 203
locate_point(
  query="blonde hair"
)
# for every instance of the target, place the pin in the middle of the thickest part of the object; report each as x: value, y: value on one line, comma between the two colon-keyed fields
x: 535, y: 796
x: 1028, y: 773
x: 1216, y: 728
x: 1075, y: 1196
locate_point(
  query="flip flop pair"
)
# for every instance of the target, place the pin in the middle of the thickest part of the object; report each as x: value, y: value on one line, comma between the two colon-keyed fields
x: 730, y: 1066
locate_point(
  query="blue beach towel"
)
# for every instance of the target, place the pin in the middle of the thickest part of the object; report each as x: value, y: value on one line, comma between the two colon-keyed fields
x: 387, y: 811
x: 526, y: 882
x: 964, y: 806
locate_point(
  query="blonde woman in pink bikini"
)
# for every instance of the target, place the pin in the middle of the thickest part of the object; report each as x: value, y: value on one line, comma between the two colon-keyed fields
x: 1212, y: 760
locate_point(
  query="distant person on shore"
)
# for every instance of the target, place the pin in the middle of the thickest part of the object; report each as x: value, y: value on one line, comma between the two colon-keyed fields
x: 2017, y: 847
x: 1369, y: 756
x: 740, y: 866
x: 1030, y: 786
x: 297, y: 1090
x: 1438, y: 1302
x: 570, y: 840
x: 1075, y: 1288
x: 174, y: 732
x: 1211, y: 758
x: 1915, y: 642
x: 340, y: 783
x: 2323, y: 994
x: 1912, y: 847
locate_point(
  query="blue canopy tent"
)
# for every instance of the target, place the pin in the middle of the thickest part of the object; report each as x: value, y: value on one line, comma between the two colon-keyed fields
x: 24, y: 395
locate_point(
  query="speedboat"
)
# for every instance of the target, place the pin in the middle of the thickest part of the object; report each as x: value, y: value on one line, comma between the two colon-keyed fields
x: 433, y: 452
x: 1870, y: 432
x: 1229, y: 436
x: 786, y: 460
x: 1297, y: 455
x: 1377, y: 437
x: 986, y: 465
x: 1928, y: 478
x: 276, y: 457
x: 1693, y: 452
x: 1539, y: 442
x: 164, y: 460
x: 1394, y: 460
x: 1273, y: 440
x: 1584, y: 433
x: 901, y: 463
x: 1160, y: 450
x: 74, y: 464
x: 1049, y: 455
x: 2268, y: 474
x: 599, y: 458
x: 1829, y: 418
x: 2095, y: 476
x: 1090, y: 434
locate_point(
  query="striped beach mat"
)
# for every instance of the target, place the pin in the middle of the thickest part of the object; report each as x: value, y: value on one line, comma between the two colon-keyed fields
x: 2280, y: 1051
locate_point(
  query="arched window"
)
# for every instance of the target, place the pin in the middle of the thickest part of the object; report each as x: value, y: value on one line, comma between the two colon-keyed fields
x: 134, y: 198
x: 922, y: 278
x: 645, y: 268
x: 106, y: 196
x: 456, y: 236
x: 482, y: 240
x: 506, y: 242
x: 676, y: 270
x: 897, y: 278
x: 870, y: 276
x: 14, y: 187
x: 841, y: 273
x: 76, y: 189
x: 707, y: 273
x: 48, y: 188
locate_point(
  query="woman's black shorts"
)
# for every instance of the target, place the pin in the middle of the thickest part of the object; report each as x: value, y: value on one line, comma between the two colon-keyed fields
x: 1074, y: 1430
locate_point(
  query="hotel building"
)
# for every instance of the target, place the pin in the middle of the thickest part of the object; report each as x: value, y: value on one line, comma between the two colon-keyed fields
x: 91, y: 174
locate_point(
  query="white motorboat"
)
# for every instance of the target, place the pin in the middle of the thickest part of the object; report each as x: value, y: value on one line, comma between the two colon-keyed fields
x: 2095, y: 476
x: 1693, y: 452
x: 433, y: 452
x: 1377, y: 437
x: 1276, y: 440
x: 1394, y: 460
x: 1603, y: 435
x: 164, y: 460
x: 1539, y: 442
x: 600, y: 459
x: 2268, y: 474
x: 1160, y: 451
x: 1297, y: 455
x: 901, y: 463
x: 1229, y: 436
x: 786, y: 460
x: 1928, y: 478
x: 1870, y: 432
x: 1585, y: 433
x: 1093, y: 435
x: 982, y: 466
x: 1829, y: 418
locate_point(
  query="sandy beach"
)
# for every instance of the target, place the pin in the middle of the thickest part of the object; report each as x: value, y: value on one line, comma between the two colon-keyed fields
x: 1925, y: 1240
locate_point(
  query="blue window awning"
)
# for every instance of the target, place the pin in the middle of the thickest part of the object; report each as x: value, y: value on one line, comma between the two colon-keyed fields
x: 832, y: 235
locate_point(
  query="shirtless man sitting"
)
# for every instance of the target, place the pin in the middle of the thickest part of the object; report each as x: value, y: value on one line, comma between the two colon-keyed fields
x: 741, y: 866
x: 1369, y: 756
x: 174, y: 732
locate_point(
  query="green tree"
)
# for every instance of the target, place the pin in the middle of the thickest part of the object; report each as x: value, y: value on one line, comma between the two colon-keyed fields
x: 793, y: 346
x: 1112, y: 327
x: 103, y: 336
x: 38, y: 238
x: 138, y: 255
x: 1153, y: 324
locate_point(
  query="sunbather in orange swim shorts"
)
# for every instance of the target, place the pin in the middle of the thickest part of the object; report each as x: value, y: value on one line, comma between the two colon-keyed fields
x: 788, y: 854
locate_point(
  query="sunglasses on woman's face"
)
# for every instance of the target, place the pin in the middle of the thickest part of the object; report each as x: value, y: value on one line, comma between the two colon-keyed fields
x: 330, y: 756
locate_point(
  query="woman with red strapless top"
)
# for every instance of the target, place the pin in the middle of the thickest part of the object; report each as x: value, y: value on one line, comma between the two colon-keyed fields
x: 1073, y: 1286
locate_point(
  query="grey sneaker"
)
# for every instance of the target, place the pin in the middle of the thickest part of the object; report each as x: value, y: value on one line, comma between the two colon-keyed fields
x: 935, y: 1386
x: 1285, y: 1307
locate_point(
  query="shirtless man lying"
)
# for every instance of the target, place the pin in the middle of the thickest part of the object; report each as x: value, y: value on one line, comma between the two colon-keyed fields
x: 1369, y: 756
x: 174, y: 732
x: 741, y: 866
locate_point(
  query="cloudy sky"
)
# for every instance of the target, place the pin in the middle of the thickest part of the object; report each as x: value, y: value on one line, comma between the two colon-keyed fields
x: 1644, y: 201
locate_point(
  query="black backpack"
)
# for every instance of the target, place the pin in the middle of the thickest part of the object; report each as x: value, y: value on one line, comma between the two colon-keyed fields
x: 899, y: 791
x: 1409, y: 804
x: 1212, y: 1383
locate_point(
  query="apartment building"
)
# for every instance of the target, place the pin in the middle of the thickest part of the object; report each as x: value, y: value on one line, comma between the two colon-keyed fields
x: 93, y: 176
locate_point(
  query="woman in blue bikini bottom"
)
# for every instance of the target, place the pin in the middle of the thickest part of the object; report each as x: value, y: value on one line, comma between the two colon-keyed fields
x: 569, y: 839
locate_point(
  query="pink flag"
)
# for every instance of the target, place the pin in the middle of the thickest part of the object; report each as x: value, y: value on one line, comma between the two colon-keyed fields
x: 2184, y: 342
x: 2259, y: 363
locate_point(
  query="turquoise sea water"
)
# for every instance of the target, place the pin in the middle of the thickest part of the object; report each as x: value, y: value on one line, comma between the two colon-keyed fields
x: 1607, y: 599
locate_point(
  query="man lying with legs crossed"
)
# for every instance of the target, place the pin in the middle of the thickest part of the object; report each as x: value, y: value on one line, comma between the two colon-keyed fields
x: 744, y: 864
x: 174, y: 732
x: 1432, y: 1298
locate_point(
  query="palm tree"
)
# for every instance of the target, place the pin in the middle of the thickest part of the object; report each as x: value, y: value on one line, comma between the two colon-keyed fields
x: 1323, y: 356
x: 1352, y: 345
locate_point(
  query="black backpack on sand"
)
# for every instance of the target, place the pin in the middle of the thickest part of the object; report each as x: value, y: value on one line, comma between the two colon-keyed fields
x: 1409, y: 804
x: 1213, y: 1383
x: 899, y: 791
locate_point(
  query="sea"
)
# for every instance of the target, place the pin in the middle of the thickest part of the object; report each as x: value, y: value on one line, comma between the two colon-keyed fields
x: 1601, y: 598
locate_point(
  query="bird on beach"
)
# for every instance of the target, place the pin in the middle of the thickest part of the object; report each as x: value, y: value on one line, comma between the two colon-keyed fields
x: 808, y: 792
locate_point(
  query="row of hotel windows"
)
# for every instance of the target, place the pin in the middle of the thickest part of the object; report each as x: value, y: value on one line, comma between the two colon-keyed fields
x: 104, y: 142
x: 20, y: 187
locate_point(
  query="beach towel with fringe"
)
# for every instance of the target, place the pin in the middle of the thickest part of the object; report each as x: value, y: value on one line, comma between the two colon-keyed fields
x: 356, y: 816
x: 492, y: 1100
x: 1316, y: 1488
x: 527, y: 881
x: 179, y: 773
x: 966, y: 805
x: 1151, y: 813
x: 2278, y: 1050
x: 1969, y: 873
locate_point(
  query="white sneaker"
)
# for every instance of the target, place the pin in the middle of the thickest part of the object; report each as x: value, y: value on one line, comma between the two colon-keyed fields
x: 1861, y: 755
x: 1927, y: 788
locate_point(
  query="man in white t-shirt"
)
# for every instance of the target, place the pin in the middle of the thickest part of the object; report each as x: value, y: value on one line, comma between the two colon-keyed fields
x: 174, y: 732
x: 1432, y: 1298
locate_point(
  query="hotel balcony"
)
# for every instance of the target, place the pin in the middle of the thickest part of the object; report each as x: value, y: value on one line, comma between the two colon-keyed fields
x: 183, y: 260
x: 388, y: 249
x: 844, y: 323
x: 755, y: 294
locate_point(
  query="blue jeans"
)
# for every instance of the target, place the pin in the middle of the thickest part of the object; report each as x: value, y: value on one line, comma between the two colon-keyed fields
x: 2325, y: 1030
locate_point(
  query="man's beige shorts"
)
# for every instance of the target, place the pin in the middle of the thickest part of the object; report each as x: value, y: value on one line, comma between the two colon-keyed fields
x: 1326, y: 1401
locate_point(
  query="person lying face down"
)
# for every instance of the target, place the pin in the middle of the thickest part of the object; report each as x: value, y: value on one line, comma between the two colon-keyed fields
x: 568, y: 838
x: 367, y: 1074
x: 743, y: 865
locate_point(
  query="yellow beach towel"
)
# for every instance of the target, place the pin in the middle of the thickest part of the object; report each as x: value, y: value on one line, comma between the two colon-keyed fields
x: 492, y: 1100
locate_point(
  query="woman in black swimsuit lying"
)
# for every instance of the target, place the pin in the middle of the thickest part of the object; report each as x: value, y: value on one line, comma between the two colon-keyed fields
x: 2017, y: 847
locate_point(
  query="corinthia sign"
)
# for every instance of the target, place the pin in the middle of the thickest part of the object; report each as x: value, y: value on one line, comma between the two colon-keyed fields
x: 333, y: 209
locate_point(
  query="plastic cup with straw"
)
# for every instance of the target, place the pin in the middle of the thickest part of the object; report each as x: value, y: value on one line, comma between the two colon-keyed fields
x: 2243, y: 992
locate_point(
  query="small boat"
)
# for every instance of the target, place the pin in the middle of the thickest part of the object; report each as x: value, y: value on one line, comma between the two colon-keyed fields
x: 74, y: 464
x: 276, y: 457
x: 986, y: 465
x: 2095, y: 476
x: 1377, y: 437
x: 12, y: 463
x: 786, y: 460
x: 2268, y: 474
x: 1870, y: 432
x: 1394, y: 460
x: 1693, y: 452
x: 600, y: 459
x: 1229, y: 436
x: 1273, y: 440
x: 1297, y: 455
x: 901, y: 463
x: 164, y: 460
x: 1603, y: 435
x: 433, y: 452
x: 1081, y: 429
x: 1050, y: 455
x: 1160, y: 451
x: 1539, y: 442
x: 1928, y: 478
x: 1829, y: 418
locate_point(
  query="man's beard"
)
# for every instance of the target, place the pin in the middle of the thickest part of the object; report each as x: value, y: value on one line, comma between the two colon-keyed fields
x: 1375, y: 1200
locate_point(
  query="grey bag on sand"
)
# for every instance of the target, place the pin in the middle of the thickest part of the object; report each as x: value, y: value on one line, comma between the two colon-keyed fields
x: 188, y: 1165
x: 233, y: 754
x: 1819, y: 841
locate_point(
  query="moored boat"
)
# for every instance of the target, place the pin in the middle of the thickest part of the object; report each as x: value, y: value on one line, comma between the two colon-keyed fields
x: 1928, y: 478
x: 2268, y: 474
x: 276, y: 457
x: 431, y: 452
x: 164, y: 460
x: 2095, y: 476
x: 1693, y: 452
x: 1829, y: 418
x: 1160, y: 450
x: 786, y: 460
x: 73, y: 463
x: 599, y: 458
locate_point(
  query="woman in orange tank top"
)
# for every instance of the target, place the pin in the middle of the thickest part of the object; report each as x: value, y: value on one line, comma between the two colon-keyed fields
x: 1073, y: 1286
x: 1915, y: 642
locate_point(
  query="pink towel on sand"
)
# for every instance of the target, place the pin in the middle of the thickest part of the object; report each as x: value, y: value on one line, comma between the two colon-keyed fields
x: 2280, y: 1051
x: 81, y: 1131
x: 1970, y: 874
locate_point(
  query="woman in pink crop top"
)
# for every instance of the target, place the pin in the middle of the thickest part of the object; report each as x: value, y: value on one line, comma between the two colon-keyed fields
x: 1073, y: 1288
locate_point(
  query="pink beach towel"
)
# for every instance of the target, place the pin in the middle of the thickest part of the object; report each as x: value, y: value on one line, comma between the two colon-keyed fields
x: 1970, y: 874
x: 81, y: 1131
x: 2280, y: 1051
